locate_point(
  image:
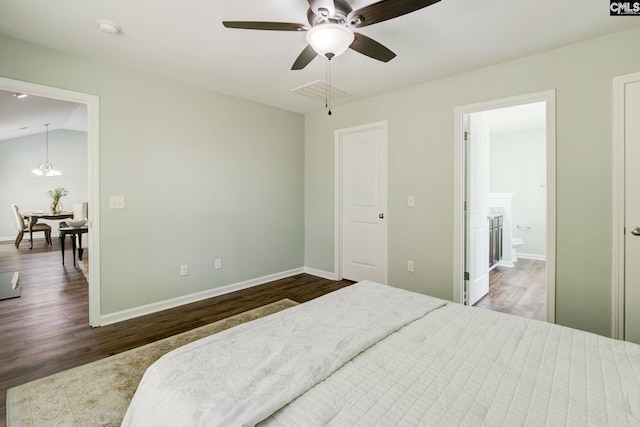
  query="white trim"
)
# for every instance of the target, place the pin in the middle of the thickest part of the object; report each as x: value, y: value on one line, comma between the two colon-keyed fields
x: 13, y: 239
x: 93, y: 150
x: 504, y: 263
x: 329, y: 275
x: 618, y: 205
x: 532, y: 256
x: 458, y: 204
x: 337, y: 207
x: 198, y: 296
x: 549, y: 96
x: 337, y: 196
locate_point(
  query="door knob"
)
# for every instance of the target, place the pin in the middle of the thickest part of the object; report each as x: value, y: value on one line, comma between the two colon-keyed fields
x: 381, y: 216
x: 635, y: 231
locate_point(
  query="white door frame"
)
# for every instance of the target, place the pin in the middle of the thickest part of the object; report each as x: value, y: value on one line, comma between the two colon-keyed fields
x: 337, y: 193
x: 93, y: 135
x: 548, y: 96
x: 618, y: 199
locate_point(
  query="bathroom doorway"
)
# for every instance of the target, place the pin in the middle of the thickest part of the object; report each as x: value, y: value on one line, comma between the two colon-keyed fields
x: 507, y: 236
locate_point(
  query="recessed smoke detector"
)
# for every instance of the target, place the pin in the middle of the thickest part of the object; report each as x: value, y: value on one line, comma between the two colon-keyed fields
x: 320, y: 91
x: 108, y: 26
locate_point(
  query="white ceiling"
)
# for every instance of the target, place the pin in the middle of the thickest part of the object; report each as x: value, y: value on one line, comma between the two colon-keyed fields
x: 27, y: 116
x: 185, y: 40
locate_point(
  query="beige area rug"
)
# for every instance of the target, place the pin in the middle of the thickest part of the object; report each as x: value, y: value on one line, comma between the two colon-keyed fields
x: 98, y: 394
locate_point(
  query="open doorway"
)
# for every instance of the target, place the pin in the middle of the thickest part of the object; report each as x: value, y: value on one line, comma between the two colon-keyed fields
x: 92, y: 105
x: 505, y: 182
x: 516, y: 201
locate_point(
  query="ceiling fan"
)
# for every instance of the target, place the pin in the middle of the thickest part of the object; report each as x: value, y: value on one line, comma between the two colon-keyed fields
x: 330, y: 33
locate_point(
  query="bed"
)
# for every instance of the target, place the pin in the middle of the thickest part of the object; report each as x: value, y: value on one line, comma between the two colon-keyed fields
x: 374, y: 355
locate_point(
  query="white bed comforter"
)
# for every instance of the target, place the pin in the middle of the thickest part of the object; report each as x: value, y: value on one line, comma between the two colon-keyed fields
x: 461, y: 366
x: 242, y: 375
x: 372, y: 355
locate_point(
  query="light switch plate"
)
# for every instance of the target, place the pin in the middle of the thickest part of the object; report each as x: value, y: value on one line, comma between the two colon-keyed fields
x: 411, y: 201
x: 116, y: 202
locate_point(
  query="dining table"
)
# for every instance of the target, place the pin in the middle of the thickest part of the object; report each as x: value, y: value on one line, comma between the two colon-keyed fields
x: 33, y: 217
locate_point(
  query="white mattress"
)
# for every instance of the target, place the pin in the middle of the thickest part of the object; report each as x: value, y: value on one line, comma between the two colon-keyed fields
x: 450, y: 365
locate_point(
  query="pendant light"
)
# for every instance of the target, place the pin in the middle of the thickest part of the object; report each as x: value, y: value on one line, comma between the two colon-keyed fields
x: 46, y: 168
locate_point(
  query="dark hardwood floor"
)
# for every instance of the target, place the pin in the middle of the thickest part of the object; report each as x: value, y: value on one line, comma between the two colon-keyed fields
x: 518, y: 290
x: 46, y: 329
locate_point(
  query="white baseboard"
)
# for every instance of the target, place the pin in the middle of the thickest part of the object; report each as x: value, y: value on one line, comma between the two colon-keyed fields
x: 505, y: 263
x: 25, y: 238
x: 131, y: 313
x: 329, y: 275
x: 533, y: 256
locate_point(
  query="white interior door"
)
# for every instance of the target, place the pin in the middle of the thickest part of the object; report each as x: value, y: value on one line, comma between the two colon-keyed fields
x: 364, y: 203
x: 632, y: 213
x: 477, y: 209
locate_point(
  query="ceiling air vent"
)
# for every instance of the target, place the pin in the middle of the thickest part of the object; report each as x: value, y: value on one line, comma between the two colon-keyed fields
x: 318, y: 90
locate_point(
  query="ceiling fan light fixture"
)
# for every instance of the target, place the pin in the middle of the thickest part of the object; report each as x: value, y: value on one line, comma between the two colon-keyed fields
x: 332, y: 39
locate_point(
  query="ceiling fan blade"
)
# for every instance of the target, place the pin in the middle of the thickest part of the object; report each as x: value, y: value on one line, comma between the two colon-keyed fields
x: 271, y: 26
x: 304, y: 58
x: 371, y: 48
x: 384, y: 10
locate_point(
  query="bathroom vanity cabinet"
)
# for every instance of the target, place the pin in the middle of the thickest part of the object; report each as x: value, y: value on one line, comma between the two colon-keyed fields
x: 495, y: 239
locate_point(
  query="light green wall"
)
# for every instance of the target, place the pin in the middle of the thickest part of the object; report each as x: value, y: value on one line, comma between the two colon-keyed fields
x: 420, y: 121
x: 253, y: 185
x: 204, y: 176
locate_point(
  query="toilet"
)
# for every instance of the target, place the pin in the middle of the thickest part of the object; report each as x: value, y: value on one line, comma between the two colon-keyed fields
x: 516, y: 242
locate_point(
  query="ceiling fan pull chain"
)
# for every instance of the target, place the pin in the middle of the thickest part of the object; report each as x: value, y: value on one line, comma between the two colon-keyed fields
x: 326, y: 78
x: 327, y: 90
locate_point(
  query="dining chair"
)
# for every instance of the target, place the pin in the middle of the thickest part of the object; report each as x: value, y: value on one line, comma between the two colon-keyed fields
x: 80, y: 211
x: 23, y: 227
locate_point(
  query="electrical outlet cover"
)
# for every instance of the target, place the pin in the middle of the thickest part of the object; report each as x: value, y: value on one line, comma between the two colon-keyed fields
x: 116, y: 202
